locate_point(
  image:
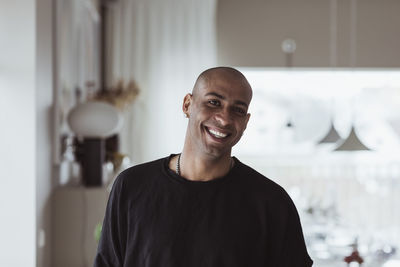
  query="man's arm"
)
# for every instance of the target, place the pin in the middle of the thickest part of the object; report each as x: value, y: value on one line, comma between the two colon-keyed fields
x: 112, y: 244
x: 294, y: 249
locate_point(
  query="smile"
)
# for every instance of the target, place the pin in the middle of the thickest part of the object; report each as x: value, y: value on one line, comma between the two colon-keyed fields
x: 216, y: 133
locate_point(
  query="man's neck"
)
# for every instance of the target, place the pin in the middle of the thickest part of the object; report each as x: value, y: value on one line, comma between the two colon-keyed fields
x: 196, y: 167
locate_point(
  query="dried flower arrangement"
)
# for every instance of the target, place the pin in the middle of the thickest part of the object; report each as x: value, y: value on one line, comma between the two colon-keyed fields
x: 120, y: 96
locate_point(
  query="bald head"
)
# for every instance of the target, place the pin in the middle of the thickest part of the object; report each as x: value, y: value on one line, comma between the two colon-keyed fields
x: 222, y: 73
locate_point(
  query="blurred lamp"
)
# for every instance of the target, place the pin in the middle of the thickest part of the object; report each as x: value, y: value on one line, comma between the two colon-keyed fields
x: 352, y: 143
x: 94, y: 121
x: 332, y: 136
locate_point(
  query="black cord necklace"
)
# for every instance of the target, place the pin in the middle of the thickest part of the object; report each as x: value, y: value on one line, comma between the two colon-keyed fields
x: 178, y: 165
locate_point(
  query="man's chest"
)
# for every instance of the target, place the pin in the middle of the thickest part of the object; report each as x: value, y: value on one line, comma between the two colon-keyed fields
x: 200, y: 230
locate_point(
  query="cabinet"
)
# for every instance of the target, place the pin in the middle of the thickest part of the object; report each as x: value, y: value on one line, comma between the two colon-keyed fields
x: 75, y: 213
x: 250, y: 33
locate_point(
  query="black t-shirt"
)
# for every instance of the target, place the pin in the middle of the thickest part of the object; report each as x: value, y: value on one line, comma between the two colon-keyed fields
x: 155, y: 218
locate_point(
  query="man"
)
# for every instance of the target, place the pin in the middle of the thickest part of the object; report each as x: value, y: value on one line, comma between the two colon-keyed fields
x: 203, y: 207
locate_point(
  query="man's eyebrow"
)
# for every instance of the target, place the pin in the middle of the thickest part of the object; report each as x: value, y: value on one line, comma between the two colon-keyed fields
x: 237, y: 102
x: 216, y: 95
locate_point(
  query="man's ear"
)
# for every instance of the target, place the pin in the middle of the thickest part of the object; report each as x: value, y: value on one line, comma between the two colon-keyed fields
x: 187, y: 101
x: 247, y: 120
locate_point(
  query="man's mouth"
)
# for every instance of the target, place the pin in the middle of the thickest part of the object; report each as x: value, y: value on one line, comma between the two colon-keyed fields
x: 217, y: 134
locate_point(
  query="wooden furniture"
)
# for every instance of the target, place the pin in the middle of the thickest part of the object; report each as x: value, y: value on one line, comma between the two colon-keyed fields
x: 75, y: 213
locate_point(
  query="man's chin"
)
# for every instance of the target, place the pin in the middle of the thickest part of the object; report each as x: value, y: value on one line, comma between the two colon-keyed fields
x: 217, y: 148
x: 218, y: 151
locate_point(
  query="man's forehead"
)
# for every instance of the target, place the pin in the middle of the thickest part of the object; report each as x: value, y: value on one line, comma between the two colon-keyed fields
x: 226, y: 86
x: 223, y: 75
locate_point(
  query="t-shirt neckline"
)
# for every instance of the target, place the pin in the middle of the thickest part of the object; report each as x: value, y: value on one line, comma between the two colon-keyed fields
x: 173, y: 175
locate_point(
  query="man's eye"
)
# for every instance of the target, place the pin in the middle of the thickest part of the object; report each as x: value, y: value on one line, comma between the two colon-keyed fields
x: 240, y: 111
x: 213, y: 102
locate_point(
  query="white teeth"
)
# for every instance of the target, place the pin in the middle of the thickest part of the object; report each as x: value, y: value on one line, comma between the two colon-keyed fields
x: 217, y: 134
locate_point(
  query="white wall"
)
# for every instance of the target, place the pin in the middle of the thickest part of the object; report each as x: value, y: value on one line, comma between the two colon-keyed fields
x: 17, y: 134
x: 25, y: 115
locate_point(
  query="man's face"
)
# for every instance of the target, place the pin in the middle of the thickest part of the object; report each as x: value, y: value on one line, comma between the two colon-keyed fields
x: 217, y: 114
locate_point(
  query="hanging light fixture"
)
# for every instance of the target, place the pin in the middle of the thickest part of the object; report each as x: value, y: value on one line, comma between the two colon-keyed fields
x: 288, y: 47
x: 352, y: 142
x: 332, y: 136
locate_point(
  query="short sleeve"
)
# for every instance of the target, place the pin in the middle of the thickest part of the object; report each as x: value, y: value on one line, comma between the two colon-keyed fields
x: 112, y: 244
x: 294, y: 249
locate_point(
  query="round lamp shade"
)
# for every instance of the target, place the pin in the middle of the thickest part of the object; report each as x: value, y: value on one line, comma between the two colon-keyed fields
x: 95, y: 120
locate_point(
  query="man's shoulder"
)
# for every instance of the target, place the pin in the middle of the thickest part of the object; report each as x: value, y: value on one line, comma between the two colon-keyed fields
x: 261, y: 183
x: 265, y: 189
x: 137, y: 174
x: 146, y: 167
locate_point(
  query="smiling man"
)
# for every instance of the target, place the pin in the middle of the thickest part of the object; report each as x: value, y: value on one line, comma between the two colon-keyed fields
x: 203, y: 207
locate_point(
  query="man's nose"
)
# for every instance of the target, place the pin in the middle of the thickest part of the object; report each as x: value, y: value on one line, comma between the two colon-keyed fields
x: 224, y: 117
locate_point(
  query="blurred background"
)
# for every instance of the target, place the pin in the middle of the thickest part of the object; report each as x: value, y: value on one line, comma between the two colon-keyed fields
x: 91, y: 87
